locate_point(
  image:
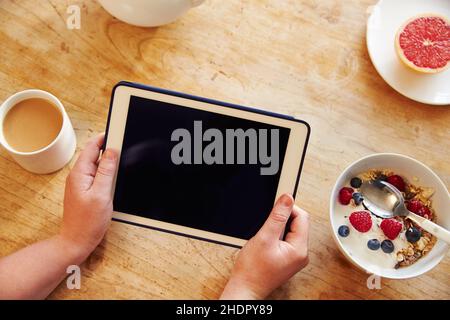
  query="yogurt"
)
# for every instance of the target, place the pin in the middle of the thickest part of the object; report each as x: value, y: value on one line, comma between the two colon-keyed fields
x: 356, y: 242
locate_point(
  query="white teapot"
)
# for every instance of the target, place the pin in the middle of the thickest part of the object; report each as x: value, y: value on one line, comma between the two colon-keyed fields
x: 148, y: 13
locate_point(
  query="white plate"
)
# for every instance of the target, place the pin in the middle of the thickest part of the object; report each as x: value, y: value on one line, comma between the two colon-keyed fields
x: 386, y: 18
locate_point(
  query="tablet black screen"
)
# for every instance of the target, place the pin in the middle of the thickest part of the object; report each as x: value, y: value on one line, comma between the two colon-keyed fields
x: 229, y: 199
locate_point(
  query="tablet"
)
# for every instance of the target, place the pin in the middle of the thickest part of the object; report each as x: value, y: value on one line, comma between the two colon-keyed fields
x: 198, y: 167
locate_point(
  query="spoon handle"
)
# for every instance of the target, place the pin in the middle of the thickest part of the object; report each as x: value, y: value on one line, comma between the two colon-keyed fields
x: 431, y: 227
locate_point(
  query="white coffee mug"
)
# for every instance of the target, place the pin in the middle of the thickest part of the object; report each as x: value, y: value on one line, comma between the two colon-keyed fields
x: 148, y: 13
x: 52, y: 157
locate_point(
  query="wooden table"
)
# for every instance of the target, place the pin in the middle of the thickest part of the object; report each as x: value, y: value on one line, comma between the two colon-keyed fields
x: 305, y: 58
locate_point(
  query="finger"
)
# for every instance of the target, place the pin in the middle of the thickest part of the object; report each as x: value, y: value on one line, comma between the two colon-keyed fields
x: 106, y: 171
x: 82, y: 174
x: 276, y: 222
x: 299, y: 230
x: 87, y: 161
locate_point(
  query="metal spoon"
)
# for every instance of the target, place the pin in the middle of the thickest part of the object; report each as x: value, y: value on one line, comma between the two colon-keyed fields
x: 386, y: 201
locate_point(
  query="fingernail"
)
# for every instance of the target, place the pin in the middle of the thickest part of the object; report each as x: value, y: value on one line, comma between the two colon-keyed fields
x: 109, y: 155
x: 286, y: 200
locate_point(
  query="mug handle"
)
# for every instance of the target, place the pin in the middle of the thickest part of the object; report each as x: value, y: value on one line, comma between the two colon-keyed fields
x: 196, y: 3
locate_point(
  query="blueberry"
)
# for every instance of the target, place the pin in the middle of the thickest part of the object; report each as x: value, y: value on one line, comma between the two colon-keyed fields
x: 344, y: 231
x: 356, y: 182
x: 387, y: 246
x: 373, y: 244
x: 358, y: 198
x: 413, y: 234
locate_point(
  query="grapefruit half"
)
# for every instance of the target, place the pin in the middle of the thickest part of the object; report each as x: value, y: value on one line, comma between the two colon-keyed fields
x: 423, y: 43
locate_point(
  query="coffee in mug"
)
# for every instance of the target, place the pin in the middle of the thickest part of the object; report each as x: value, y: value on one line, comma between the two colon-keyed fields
x: 32, y: 124
x: 36, y: 131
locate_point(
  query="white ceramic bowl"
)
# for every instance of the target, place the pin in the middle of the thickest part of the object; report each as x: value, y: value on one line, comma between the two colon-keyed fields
x: 408, y: 168
x: 148, y: 13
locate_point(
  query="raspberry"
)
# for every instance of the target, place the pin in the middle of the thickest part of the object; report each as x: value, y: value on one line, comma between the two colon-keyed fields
x: 425, y: 212
x: 397, y: 182
x: 391, y: 228
x: 414, y: 205
x: 361, y: 221
x: 345, y: 195
x: 419, y: 208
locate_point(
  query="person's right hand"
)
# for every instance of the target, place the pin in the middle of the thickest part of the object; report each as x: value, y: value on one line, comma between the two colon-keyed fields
x: 35, y: 271
x: 87, y: 201
x: 266, y: 262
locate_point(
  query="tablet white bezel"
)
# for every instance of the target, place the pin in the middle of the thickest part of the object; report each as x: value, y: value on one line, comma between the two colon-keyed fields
x: 289, y: 168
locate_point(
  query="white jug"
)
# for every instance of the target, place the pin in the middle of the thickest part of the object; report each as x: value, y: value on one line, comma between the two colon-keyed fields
x: 148, y: 13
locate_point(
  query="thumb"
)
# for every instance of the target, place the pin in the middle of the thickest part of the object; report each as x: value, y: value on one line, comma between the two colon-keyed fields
x: 276, y: 222
x: 106, y: 171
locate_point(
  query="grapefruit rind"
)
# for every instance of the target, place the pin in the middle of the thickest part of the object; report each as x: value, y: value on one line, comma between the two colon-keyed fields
x: 402, y: 56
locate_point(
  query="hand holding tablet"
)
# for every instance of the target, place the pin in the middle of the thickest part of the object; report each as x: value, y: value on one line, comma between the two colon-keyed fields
x: 266, y: 262
x: 197, y: 167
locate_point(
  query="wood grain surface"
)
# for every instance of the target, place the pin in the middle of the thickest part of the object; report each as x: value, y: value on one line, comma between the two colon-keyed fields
x: 305, y: 58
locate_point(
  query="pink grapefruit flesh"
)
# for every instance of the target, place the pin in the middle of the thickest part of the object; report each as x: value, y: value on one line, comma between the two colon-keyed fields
x: 423, y: 43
